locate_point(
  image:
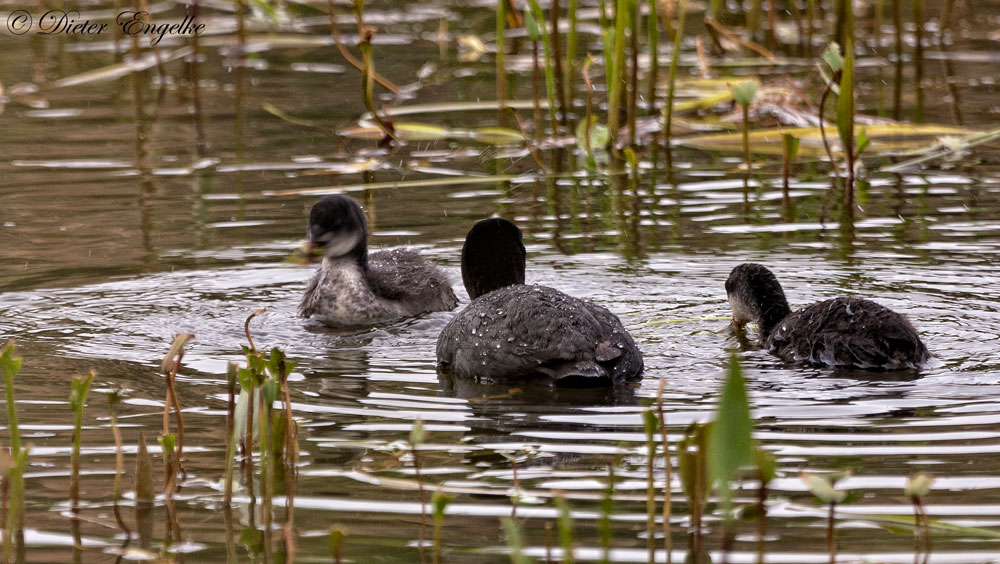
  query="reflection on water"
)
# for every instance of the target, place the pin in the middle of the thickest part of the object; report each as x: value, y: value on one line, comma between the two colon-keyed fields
x: 136, y: 208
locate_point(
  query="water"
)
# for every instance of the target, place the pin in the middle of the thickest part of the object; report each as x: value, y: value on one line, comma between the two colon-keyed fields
x: 117, y: 231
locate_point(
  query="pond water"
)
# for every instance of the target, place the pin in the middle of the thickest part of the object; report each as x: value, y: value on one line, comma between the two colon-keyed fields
x: 134, y: 208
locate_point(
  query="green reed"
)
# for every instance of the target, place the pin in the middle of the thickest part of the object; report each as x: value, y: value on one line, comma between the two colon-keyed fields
x: 515, y: 541
x: 79, y: 388
x: 667, y: 469
x: 558, y: 70
x: 730, y: 444
x: 550, y: 74
x: 607, y: 509
x: 114, y: 397
x: 439, y: 501
x: 823, y: 486
x: 650, y: 424
x: 368, y: 71
x: 168, y: 444
x: 10, y: 366
x: 743, y: 94
x: 565, y: 524
x: 766, y: 468
x: 572, y: 42
x: 668, y: 107
x: 789, y: 152
x: 615, y: 73
x: 417, y: 436
x: 918, y: 486
x: 501, y: 69
x: 336, y: 541
x: 653, y: 46
x: 232, y: 376
x: 845, y: 121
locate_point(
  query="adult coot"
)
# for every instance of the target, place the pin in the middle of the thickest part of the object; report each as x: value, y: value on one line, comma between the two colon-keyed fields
x: 511, y: 330
x: 354, y: 288
x: 845, y: 331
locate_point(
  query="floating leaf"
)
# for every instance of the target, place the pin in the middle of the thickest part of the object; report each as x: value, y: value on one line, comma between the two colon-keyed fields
x: 886, y: 140
x: 438, y: 182
x: 946, y: 147
x: 118, y: 70
x: 276, y: 112
x: 496, y: 135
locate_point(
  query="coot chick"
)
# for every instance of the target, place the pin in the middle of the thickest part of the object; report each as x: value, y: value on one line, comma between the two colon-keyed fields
x: 846, y: 331
x: 511, y: 330
x: 353, y: 288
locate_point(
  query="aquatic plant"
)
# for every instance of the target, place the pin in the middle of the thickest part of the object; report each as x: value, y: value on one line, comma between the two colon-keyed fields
x: 144, y: 492
x: 789, y: 152
x: 730, y: 445
x: 823, y: 486
x: 667, y: 469
x: 917, y: 487
x: 845, y: 120
x: 564, y: 521
x: 168, y: 443
x: 501, y: 68
x: 439, y: 501
x: 114, y: 397
x: 10, y: 365
x: 607, y: 508
x: 417, y: 436
x: 171, y: 363
x: 692, y: 467
x: 668, y: 107
x: 514, y: 541
x: 13, y: 473
x: 365, y: 34
x: 336, y: 541
x: 650, y: 424
x: 743, y: 94
x: 232, y: 376
x: 79, y: 388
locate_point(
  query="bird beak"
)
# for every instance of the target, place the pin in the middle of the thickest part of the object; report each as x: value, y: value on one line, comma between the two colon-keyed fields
x: 734, y: 327
x: 312, y: 252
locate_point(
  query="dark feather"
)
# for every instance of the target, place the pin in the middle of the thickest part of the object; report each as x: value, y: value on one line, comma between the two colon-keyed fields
x: 522, y: 331
x: 402, y: 275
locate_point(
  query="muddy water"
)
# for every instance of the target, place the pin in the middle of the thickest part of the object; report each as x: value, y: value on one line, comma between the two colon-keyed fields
x: 117, y: 231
